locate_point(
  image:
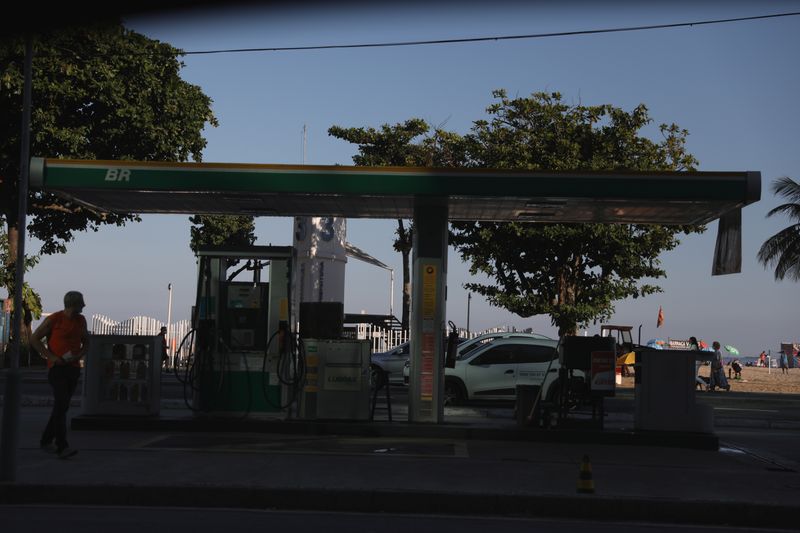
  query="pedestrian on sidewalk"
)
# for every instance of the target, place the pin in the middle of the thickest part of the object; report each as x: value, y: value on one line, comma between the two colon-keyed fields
x: 718, y: 378
x: 164, y: 354
x: 67, y: 343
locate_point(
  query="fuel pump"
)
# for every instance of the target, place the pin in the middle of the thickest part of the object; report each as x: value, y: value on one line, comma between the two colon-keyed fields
x: 245, y: 357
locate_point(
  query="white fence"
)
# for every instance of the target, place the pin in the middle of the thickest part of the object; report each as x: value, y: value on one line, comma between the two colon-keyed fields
x: 381, y: 339
x: 141, y: 325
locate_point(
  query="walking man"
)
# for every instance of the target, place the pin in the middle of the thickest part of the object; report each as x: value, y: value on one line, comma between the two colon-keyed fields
x: 164, y: 354
x: 67, y: 343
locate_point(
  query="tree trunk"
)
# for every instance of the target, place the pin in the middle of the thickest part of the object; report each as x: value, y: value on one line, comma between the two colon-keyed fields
x: 403, y: 245
x: 11, y: 263
x: 566, y: 296
x: 406, y: 290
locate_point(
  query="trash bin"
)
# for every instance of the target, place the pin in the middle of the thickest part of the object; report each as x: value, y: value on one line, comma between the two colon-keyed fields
x: 526, y: 396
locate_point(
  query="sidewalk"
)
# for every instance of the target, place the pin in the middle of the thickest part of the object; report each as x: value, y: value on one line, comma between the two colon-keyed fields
x: 470, y: 466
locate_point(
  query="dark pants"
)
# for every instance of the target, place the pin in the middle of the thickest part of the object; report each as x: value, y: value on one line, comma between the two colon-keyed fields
x: 63, y: 379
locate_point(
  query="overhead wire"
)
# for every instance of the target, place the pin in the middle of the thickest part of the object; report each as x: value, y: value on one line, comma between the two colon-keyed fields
x: 172, y: 52
x: 490, y: 38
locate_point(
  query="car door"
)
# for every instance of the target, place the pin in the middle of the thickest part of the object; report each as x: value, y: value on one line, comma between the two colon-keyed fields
x: 533, y: 363
x: 490, y: 374
x: 396, y: 360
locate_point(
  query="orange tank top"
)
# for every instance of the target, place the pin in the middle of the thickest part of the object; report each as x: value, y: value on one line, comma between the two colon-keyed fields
x: 66, y: 335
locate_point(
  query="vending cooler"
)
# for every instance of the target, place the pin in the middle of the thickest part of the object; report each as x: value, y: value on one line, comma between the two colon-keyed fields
x: 123, y: 375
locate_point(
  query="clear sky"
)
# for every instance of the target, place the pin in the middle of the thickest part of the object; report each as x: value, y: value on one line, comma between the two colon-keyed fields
x: 733, y: 86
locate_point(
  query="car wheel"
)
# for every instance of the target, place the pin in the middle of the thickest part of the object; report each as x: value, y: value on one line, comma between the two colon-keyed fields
x: 453, y: 393
x: 554, y: 392
x: 377, y: 377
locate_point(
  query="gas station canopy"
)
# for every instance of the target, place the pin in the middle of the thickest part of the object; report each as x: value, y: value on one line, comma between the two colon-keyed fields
x: 391, y: 192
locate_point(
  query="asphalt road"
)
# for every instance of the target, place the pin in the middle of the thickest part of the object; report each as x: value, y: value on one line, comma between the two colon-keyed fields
x: 42, y: 519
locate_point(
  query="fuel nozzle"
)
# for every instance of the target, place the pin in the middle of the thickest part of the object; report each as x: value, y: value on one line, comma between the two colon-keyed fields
x: 283, y: 336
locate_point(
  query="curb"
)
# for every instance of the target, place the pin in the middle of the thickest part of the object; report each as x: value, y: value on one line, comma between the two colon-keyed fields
x: 719, y: 422
x: 585, y: 507
x: 698, y: 441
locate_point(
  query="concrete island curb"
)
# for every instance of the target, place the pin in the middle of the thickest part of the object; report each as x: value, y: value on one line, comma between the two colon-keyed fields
x: 585, y: 507
x: 719, y: 421
x: 698, y: 441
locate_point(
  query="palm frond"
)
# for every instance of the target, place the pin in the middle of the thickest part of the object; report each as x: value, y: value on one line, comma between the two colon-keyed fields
x: 787, y: 187
x: 782, y: 251
x: 791, y: 210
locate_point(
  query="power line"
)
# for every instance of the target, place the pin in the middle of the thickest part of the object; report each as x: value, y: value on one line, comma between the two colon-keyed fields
x: 494, y: 38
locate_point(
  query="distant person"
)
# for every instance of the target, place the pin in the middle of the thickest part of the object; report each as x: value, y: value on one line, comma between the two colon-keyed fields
x: 737, y: 369
x: 67, y: 343
x: 784, y: 363
x: 699, y: 381
x: 718, y: 378
x: 762, y: 359
x: 164, y: 354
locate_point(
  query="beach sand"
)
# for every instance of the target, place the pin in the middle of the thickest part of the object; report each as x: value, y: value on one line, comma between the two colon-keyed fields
x: 754, y: 379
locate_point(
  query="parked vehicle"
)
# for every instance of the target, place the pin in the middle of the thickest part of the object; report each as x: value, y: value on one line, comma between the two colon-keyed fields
x: 391, y: 362
x: 490, y: 367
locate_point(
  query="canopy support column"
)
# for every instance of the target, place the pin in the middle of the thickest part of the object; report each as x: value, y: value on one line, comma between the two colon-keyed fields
x: 429, y: 291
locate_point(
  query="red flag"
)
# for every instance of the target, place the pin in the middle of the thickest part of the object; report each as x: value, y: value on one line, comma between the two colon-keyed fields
x: 660, y: 321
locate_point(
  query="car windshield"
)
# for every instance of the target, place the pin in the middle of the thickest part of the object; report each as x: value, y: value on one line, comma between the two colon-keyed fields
x: 471, y: 345
x: 468, y: 347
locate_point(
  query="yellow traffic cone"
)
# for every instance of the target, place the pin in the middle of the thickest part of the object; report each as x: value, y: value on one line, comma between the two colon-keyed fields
x: 585, y: 482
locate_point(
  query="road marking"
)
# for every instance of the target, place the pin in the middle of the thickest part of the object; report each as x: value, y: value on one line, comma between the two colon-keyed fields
x: 739, y: 409
x: 775, y: 463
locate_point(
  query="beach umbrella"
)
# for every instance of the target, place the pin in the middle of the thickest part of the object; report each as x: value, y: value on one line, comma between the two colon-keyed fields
x: 731, y: 349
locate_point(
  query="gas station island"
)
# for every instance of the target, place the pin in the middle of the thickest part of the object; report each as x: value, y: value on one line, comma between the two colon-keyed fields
x: 267, y: 322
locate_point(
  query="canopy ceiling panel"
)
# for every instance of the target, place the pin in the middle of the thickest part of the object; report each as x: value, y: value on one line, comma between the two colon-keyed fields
x: 391, y: 192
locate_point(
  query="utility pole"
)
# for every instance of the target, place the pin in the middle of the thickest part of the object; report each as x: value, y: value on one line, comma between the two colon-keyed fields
x: 391, y: 292
x: 11, y: 404
x: 469, y: 301
x: 305, y: 142
x: 169, y: 319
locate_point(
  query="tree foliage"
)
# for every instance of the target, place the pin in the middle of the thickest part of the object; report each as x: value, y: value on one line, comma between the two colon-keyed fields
x: 782, y: 250
x: 216, y: 230
x: 30, y: 298
x: 572, y: 272
x: 99, y: 92
x: 393, y: 145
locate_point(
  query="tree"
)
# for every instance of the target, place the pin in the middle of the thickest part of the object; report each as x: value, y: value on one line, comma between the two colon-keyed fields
x: 221, y: 229
x: 782, y: 250
x: 572, y: 272
x: 392, y: 146
x: 99, y: 92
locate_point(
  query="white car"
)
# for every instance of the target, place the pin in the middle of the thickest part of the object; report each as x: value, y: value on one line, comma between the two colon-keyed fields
x: 490, y: 368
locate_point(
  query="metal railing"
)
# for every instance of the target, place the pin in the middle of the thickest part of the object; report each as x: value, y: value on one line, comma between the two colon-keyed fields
x: 381, y: 339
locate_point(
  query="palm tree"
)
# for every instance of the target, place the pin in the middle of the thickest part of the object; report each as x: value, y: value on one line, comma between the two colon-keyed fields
x: 783, y: 249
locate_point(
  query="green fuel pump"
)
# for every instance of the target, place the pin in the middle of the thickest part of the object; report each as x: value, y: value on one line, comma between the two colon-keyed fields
x: 245, y: 357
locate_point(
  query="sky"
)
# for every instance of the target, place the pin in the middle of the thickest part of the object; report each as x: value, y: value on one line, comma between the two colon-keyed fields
x: 733, y: 86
